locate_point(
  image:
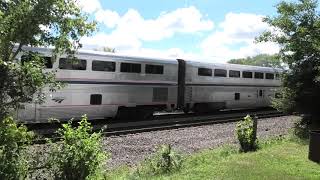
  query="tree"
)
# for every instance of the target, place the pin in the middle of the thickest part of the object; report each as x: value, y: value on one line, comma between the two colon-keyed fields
x: 296, y: 28
x: 264, y: 60
x: 58, y: 23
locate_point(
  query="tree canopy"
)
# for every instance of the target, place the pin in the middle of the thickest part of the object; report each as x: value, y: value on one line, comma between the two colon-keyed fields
x: 264, y: 60
x: 296, y: 28
x: 57, y: 23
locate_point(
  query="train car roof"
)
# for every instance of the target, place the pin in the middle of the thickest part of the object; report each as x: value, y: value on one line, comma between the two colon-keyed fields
x: 113, y: 56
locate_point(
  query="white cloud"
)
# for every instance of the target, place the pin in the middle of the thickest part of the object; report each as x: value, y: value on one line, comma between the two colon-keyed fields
x: 236, y: 38
x: 107, y: 17
x: 130, y: 30
x: 182, y: 20
x: 121, y: 42
x: 89, y: 6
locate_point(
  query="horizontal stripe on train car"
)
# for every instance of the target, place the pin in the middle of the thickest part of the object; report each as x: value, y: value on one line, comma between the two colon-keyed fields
x: 237, y: 85
x: 119, y: 83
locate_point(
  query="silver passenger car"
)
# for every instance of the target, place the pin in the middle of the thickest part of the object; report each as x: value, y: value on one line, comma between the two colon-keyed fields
x: 106, y: 85
x: 212, y: 86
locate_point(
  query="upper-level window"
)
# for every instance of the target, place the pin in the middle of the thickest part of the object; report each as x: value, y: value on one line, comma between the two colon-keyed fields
x: 246, y: 74
x: 154, y: 69
x: 277, y: 76
x: 233, y: 73
x: 204, y: 72
x: 103, y: 66
x: 269, y: 76
x: 72, y: 64
x: 258, y: 75
x: 46, y: 60
x: 220, y: 73
x: 130, y: 67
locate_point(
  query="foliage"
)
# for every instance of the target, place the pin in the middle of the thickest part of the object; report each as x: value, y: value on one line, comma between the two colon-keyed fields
x: 164, y: 161
x: 302, y: 127
x: 284, y: 102
x: 57, y: 23
x: 13, y: 142
x: 296, y: 30
x: 80, y: 154
x: 264, y: 60
x: 246, y: 134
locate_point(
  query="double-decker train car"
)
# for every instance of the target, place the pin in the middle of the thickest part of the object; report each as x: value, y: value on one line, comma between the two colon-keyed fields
x: 105, y: 85
x: 211, y: 86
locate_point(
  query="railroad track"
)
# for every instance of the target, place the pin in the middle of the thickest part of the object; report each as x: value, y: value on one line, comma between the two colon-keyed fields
x: 159, y: 122
x: 181, y: 122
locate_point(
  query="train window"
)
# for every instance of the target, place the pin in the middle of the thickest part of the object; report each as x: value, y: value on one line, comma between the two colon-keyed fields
x: 277, y: 76
x: 246, y: 74
x: 154, y: 69
x: 47, y: 60
x: 236, y: 96
x: 72, y: 64
x: 220, y: 73
x: 269, y: 76
x: 204, y: 72
x: 103, y: 66
x: 258, y: 75
x: 95, y: 99
x: 130, y: 67
x: 233, y: 73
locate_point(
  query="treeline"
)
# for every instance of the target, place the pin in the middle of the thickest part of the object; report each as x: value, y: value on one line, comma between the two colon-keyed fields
x: 264, y: 60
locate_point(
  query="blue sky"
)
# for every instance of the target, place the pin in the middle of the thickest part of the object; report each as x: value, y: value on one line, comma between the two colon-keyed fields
x: 204, y: 30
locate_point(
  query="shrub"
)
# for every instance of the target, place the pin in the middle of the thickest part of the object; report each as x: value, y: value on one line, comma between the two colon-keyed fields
x: 246, y: 134
x: 164, y: 161
x: 302, y: 126
x: 79, y: 155
x: 13, y: 155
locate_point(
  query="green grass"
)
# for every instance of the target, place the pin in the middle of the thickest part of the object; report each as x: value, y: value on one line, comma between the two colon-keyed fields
x: 278, y: 159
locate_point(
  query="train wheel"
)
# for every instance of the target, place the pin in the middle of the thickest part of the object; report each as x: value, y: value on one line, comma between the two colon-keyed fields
x: 134, y: 113
x: 201, y: 108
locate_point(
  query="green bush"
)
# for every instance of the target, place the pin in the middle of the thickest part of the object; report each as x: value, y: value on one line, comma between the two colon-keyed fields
x: 246, y: 134
x: 79, y: 155
x: 164, y: 161
x: 302, y: 126
x: 13, y: 155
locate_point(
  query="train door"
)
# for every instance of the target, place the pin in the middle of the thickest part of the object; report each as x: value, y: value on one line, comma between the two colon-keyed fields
x: 260, y: 97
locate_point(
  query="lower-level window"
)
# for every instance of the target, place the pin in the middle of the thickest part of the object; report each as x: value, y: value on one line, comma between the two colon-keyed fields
x: 236, y: 96
x: 95, y: 99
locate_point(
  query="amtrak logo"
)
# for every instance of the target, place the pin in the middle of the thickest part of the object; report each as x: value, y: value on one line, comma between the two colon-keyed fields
x: 58, y: 99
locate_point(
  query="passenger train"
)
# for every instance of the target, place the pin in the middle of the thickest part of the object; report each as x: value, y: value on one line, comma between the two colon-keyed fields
x: 104, y: 85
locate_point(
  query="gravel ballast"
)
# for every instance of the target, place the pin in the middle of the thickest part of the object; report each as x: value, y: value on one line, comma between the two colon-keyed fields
x: 131, y: 149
